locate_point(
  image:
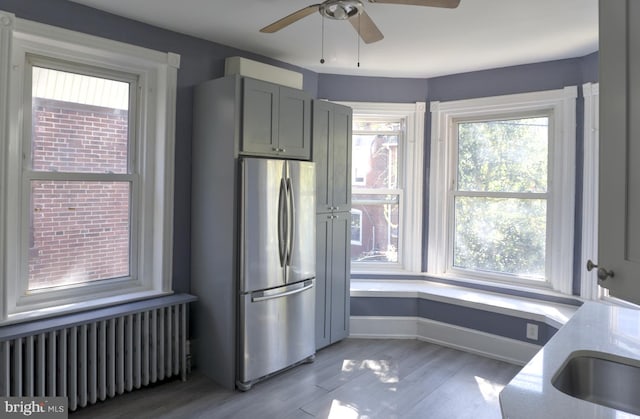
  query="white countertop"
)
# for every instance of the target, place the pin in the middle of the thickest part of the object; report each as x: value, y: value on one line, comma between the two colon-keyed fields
x: 595, y: 327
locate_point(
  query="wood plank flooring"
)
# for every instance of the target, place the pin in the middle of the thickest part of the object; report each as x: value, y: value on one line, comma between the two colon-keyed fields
x: 353, y: 379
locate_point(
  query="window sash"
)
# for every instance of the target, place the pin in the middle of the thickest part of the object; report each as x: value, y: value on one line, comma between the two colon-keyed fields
x: 398, y: 193
x: 357, y: 190
x: 82, y: 69
x: 456, y: 193
x: 30, y: 175
x: 559, y: 105
x: 400, y: 155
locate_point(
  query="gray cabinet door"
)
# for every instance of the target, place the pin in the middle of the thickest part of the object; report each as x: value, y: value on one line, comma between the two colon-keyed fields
x: 294, y: 124
x: 323, y: 283
x: 321, y: 132
x: 276, y: 120
x: 341, y: 157
x: 331, y: 137
x: 619, y: 206
x: 259, y: 117
x: 332, y: 277
x: 332, y: 153
x: 340, y: 282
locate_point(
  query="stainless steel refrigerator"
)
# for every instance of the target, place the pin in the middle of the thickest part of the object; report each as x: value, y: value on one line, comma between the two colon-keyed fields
x: 277, y: 267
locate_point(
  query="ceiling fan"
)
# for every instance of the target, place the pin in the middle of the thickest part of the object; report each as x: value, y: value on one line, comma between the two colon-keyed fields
x: 353, y: 11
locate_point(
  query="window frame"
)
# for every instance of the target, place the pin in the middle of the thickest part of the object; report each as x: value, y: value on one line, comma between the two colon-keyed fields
x: 132, y: 176
x: 382, y: 192
x: 411, y: 213
x: 560, y: 104
x: 153, y: 157
x: 456, y: 192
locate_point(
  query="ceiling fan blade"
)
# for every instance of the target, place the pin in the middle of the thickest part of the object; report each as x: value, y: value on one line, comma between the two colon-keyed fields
x: 288, y: 20
x: 365, y: 27
x: 448, y: 4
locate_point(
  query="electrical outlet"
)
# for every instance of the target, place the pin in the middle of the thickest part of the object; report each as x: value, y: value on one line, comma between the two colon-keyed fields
x: 532, y: 331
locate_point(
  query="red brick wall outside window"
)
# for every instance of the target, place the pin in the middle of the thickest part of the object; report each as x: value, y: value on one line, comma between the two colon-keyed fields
x: 80, y: 229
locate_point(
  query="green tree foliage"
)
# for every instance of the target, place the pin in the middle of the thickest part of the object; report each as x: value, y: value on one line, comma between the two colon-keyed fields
x: 502, y: 232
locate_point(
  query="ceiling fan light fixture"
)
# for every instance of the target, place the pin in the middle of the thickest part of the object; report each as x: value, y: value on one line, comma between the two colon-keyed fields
x: 341, y: 9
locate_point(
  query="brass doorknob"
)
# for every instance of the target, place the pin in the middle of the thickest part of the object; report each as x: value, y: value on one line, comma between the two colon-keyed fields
x: 602, y: 272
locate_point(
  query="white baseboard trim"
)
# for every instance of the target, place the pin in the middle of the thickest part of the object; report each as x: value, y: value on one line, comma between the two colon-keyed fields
x: 491, y: 346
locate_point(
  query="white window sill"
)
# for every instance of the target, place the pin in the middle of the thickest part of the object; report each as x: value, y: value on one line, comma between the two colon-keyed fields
x: 91, y: 304
x: 552, y: 313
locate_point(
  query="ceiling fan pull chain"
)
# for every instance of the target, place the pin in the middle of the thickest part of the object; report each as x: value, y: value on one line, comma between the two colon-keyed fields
x: 358, y: 39
x: 322, y: 43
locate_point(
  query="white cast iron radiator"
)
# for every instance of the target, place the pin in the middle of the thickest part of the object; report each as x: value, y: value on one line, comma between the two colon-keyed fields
x: 118, y: 350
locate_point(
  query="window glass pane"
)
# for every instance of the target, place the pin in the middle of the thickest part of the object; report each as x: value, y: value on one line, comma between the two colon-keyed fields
x: 79, y: 232
x: 80, y: 123
x: 375, y: 161
x: 504, y: 235
x: 503, y: 155
x: 378, y: 228
x: 356, y: 227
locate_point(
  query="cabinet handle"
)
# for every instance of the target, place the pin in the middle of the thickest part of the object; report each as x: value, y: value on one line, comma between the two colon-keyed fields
x: 602, y: 272
x: 275, y: 149
x: 336, y: 208
x: 282, y: 150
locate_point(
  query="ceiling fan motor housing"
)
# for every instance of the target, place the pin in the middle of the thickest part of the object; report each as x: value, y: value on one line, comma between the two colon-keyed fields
x: 341, y: 9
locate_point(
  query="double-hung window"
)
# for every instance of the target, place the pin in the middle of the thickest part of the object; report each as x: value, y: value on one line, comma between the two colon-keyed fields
x: 386, y: 215
x: 502, y: 189
x: 79, y: 175
x: 377, y: 199
x: 88, y: 164
x: 499, y: 195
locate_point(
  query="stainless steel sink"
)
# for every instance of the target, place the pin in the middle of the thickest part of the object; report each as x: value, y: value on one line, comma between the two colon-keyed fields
x: 601, y: 378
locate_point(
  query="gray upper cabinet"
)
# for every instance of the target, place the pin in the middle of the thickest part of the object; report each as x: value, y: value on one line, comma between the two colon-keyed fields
x: 276, y: 121
x: 619, y: 199
x: 332, y: 129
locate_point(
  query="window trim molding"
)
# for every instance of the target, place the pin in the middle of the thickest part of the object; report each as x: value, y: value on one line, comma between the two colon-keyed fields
x: 157, y: 72
x: 6, y: 30
x: 589, y: 288
x: 562, y: 104
x: 413, y: 156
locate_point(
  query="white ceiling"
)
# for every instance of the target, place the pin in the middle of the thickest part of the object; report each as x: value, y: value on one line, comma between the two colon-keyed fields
x: 419, y: 41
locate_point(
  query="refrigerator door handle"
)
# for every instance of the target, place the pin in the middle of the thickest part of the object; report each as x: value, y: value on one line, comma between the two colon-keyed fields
x: 307, y: 285
x: 282, y: 222
x: 291, y: 216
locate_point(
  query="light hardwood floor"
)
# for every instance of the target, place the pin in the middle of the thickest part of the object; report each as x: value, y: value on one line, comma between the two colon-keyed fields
x: 355, y: 378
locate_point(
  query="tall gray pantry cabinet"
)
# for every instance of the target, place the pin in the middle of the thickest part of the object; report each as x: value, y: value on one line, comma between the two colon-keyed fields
x: 229, y: 114
x: 331, y: 139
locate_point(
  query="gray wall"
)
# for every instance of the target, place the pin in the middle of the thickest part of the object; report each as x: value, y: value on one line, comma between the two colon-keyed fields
x: 202, y: 60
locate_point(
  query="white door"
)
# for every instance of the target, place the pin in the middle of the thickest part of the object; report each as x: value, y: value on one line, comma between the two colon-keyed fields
x: 619, y: 212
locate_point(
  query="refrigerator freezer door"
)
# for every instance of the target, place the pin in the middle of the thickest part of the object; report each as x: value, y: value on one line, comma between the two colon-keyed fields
x: 302, y: 236
x: 277, y: 330
x: 263, y: 224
